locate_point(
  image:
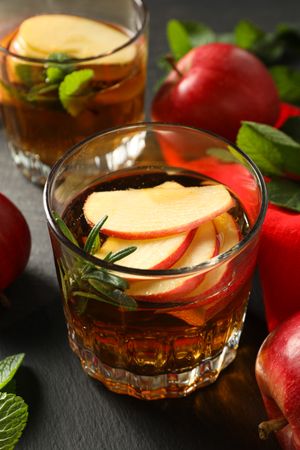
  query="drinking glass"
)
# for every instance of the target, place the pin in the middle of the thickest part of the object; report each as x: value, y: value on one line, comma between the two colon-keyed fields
x: 44, y: 111
x: 166, y: 345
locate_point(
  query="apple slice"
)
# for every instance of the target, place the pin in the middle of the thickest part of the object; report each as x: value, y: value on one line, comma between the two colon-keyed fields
x: 160, y: 253
x: 73, y: 35
x: 201, y: 249
x: 152, y: 212
x: 228, y: 235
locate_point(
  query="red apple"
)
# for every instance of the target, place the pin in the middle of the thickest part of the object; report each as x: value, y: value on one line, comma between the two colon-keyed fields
x: 152, y: 212
x: 217, y: 85
x: 278, y: 377
x: 15, y: 242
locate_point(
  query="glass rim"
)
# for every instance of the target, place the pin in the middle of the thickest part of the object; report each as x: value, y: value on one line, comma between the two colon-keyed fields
x: 155, y: 273
x: 141, y: 4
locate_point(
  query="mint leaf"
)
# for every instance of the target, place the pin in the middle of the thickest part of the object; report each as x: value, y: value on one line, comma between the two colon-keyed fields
x: 54, y: 75
x: 13, y: 418
x: 287, y: 81
x: 8, y: 368
x: 273, y: 151
x: 292, y: 127
x: 178, y: 39
x: 246, y: 34
x: 75, y: 91
x: 198, y: 33
x: 284, y: 193
x: 60, y: 61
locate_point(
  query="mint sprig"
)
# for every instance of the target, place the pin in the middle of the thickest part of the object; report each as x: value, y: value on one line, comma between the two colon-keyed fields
x: 86, y: 281
x: 13, y: 409
x: 287, y: 80
x: 284, y: 193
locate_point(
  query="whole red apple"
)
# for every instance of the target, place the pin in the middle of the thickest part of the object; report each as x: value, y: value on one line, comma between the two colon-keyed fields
x: 278, y: 377
x: 15, y: 242
x: 216, y: 86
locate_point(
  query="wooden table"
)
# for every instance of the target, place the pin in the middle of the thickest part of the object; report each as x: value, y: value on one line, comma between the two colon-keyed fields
x: 68, y: 410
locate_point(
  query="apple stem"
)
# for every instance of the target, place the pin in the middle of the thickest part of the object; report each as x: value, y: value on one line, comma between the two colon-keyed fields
x: 171, y: 60
x: 271, y: 426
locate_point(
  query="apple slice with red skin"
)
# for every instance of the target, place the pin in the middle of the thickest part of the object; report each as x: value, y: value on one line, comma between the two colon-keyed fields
x: 207, y: 295
x: 278, y: 376
x: 202, y: 248
x: 159, y: 253
x: 152, y: 212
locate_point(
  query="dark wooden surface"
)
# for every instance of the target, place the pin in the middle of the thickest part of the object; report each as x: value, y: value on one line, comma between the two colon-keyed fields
x: 69, y: 411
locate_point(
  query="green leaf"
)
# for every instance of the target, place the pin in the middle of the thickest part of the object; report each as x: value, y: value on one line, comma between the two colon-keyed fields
x: 178, y: 39
x: 63, y: 228
x: 115, y: 298
x: 198, y: 33
x: 291, y: 127
x: 287, y: 81
x: 93, y: 241
x: 75, y: 91
x: 105, y: 277
x: 284, y: 193
x: 54, y: 75
x: 60, y: 61
x: 246, y: 34
x: 273, y: 151
x: 24, y: 73
x: 114, y: 257
x: 13, y: 418
x: 8, y: 368
x: 11, y: 387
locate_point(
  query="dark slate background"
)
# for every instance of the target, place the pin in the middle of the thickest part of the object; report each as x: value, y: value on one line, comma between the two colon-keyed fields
x: 69, y: 411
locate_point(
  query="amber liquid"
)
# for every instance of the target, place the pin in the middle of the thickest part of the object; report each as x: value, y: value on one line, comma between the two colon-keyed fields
x: 151, y: 340
x: 43, y: 128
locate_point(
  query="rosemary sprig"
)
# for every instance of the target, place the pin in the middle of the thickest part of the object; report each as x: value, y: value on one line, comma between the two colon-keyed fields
x: 86, y: 281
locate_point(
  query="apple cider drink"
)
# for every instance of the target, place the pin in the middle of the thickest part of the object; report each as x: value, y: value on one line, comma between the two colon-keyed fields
x: 156, y: 291
x: 55, y: 91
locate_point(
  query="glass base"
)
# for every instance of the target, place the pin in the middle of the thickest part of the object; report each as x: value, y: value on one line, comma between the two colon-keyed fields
x: 170, y: 385
x: 30, y: 165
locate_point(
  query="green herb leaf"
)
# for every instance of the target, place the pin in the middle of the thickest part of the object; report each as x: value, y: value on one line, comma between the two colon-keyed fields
x: 198, y: 33
x: 60, y: 61
x: 75, y: 91
x: 8, y: 368
x: 284, y: 193
x: 54, y: 75
x: 105, y: 277
x: 247, y: 35
x: 13, y: 418
x: 114, y: 257
x: 24, y: 73
x: 291, y: 127
x: 114, y: 297
x: 273, y: 151
x: 178, y: 39
x: 93, y: 241
x: 287, y: 81
x: 64, y: 229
